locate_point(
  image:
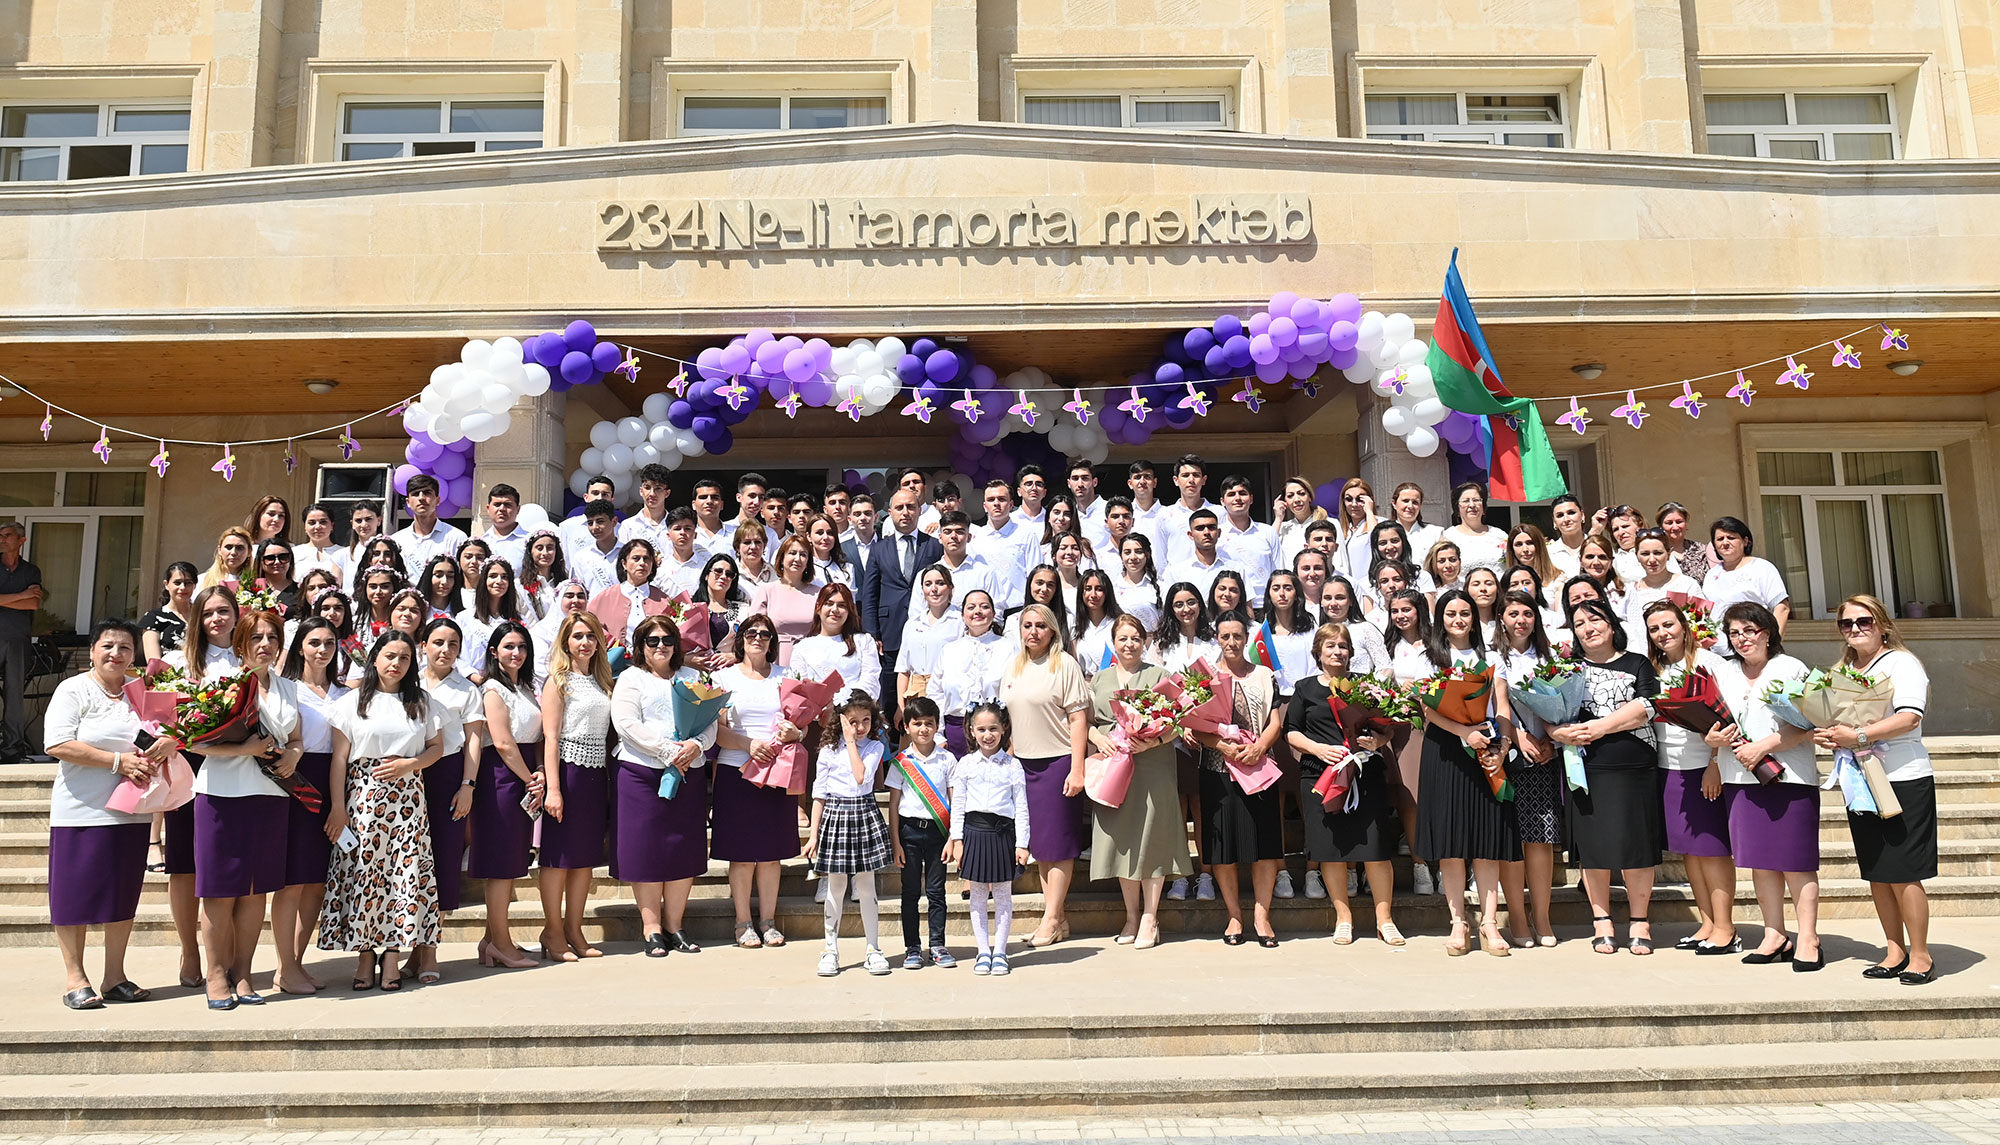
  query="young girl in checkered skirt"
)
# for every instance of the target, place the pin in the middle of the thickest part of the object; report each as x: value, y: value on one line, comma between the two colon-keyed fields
x: 848, y: 839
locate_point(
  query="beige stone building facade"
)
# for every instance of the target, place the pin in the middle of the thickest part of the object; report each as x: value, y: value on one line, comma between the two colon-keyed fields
x: 205, y: 204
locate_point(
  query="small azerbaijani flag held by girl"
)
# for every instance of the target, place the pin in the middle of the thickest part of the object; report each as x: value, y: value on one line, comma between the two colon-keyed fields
x: 1263, y: 647
x: 1522, y: 466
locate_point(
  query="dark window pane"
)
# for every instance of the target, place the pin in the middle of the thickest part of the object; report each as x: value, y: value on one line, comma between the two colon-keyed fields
x: 1513, y: 109
x: 1412, y: 111
x: 1843, y: 108
x: 1166, y: 112
x: 1794, y: 148
x: 150, y: 119
x: 1517, y: 139
x: 1896, y: 467
x: 105, y: 490
x: 115, y: 591
x: 1795, y: 468
x: 48, y: 122
x: 393, y: 118
x: 163, y: 158
x: 512, y: 117
x: 101, y: 161
x: 728, y: 113
x: 372, y: 151
x: 26, y: 489
x: 444, y: 147
x: 1858, y: 145
x: 1743, y: 145
x: 1074, y: 111
x: 1745, y: 110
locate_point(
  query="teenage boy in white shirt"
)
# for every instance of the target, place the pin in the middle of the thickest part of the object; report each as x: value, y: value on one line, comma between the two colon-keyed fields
x: 650, y: 522
x: 681, y: 560
x: 1206, y: 563
x: 1082, y: 480
x: 1000, y: 546
x: 711, y: 534
x: 1190, y: 477
x: 505, y: 537
x: 594, y: 563
x: 425, y: 536
x: 575, y: 531
x: 1250, y: 547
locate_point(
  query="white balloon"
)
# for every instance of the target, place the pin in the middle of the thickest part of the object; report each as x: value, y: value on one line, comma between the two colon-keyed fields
x: 502, y: 422
x: 1398, y: 420
x: 508, y: 350
x: 869, y: 362
x: 631, y: 431
x: 1429, y: 411
x: 417, y: 419
x: 643, y: 454
x: 1417, y: 379
x: 661, y: 438
x: 1360, y: 373
x: 537, y: 381
x: 1062, y: 438
x: 1398, y: 328
x: 1422, y: 441
x: 879, y: 389
x: 1385, y: 355
x: 513, y: 375
x: 477, y: 425
x: 966, y: 486
x: 618, y: 458
x: 1414, y: 352
x: 690, y: 445
x: 579, y: 482
x: 444, y: 429
x: 671, y: 460
x: 476, y: 353
x: 1098, y: 453
x: 624, y: 486
x: 604, y: 433
x: 655, y: 407
x: 442, y: 376
x: 494, y: 397
x: 532, y: 514
x: 592, y: 460
x: 892, y: 349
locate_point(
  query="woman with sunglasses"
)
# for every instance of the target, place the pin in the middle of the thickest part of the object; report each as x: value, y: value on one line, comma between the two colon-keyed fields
x: 659, y: 842
x: 754, y: 828
x: 274, y: 568
x: 1357, y: 519
x: 720, y: 588
x: 1896, y: 854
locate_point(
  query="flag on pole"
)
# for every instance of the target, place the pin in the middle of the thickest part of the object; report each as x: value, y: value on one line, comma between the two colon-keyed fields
x: 1522, y: 466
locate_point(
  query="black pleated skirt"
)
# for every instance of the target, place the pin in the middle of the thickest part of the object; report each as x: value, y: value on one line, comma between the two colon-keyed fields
x: 1457, y: 816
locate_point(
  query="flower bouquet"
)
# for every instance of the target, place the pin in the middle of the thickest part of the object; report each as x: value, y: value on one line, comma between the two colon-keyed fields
x: 691, y: 617
x: 1700, y: 617
x: 1783, y: 696
x: 1692, y: 700
x: 222, y: 711
x: 172, y: 784
x: 1464, y: 694
x: 1370, y: 702
x: 1210, y: 699
x: 1555, y: 693
x: 697, y: 703
x: 258, y: 597
x: 1854, y: 698
x: 1140, y: 714
x: 800, y: 702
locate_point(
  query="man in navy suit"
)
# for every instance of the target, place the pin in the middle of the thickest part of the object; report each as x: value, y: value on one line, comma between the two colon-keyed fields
x: 895, y: 562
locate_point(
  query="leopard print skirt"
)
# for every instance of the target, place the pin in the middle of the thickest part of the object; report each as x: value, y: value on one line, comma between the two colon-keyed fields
x: 383, y: 894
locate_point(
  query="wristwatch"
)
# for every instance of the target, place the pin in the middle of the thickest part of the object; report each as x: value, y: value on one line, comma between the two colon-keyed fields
x: 1860, y: 738
x: 470, y: 783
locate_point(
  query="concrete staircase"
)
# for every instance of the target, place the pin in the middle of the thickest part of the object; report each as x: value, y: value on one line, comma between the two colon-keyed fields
x: 1968, y: 786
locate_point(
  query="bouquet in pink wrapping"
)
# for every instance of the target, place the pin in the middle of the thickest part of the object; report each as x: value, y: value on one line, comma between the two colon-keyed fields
x: 800, y: 702
x: 692, y: 620
x: 1210, y: 698
x: 172, y: 784
x: 1141, y: 714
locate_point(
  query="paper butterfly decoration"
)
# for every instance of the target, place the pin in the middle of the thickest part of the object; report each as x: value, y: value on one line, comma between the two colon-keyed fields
x: 348, y: 446
x: 1078, y: 407
x: 1136, y: 406
x: 227, y: 466
x: 736, y: 393
x: 629, y: 367
x: 969, y: 406
x: 1396, y: 382
x: 790, y: 403
x: 921, y: 408
x: 679, y: 385
x: 1310, y: 389
x: 1742, y: 389
x: 1251, y: 397
x: 103, y: 447
x: 160, y: 462
x: 291, y: 459
x: 1892, y: 338
x: 1795, y: 374
x: 1690, y: 401
x: 851, y: 404
x: 1844, y: 355
x: 1024, y: 408
x: 1194, y: 401
x: 48, y: 419
x: 1633, y: 411
x: 1577, y: 417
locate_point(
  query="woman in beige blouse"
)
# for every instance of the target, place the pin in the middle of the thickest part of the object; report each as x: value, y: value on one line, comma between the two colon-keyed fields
x: 1048, y: 701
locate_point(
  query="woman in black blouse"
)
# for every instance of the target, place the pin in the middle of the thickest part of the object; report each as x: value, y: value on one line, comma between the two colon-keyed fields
x: 1619, y: 823
x: 165, y: 628
x: 1334, y: 836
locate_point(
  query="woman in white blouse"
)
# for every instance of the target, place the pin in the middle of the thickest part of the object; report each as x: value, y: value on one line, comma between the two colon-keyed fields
x: 1137, y: 583
x: 755, y: 828
x: 97, y: 857
x: 1656, y: 581
x: 834, y: 642
x: 1337, y: 605
x: 827, y: 556
x: 1738, y: 575
x: 659, y: 844
x: 509, y: 791
x: 1185, y: 634
x: 929, y: 629
x: 1480, y: 545
x: 576, y: 800
x: 968, y: 668
x: 313, y: 668
x: 448, y: 784
x: 381, y: 892
x: 1096, y: 609
x: 207, y: 653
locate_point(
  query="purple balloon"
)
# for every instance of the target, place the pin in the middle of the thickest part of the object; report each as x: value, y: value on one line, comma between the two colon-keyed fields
x: 1282, y: 303
x: 549, y: 350
x: 924, y: 347
x: 822, y: 353
x: 1178, y: 416
x: 1174, y: 349
x: 462, y: 445
x: 799, y: 364
x: 422, y: 452
x: 576, y: 368
x: 755, y: 339
x: 559, y: 384
x: 680, y: 415
x: 778, y: 388
x: 706, y: 427
x: 770, y: 359
x: 403, y: 475
x: 982, y: 376
x: 791, y: 342
x: 708, y: 364
x: 1169, y: 374
x: 1228, y: 326
x: 449, y: 466
x: 1313, y: 344
x: 1259, y: 323
x: 1342, y: 335
x: 461, y: 491
x: 941, y: 366
x: 816, y: 392
x: 910, y: 369
x: 1216, y: 361
x: 605, y: 357
x: 1263, y: 350
x: 1198, y: 342
x: 931, y: 391
x: 1302, y: 369
x: 724, y: 441
x: 735, y: 358
x: 1344, y: 308
x: 1341, y: 359
x: 579, y: 335
x: 1327, y: 496
x: 1283, y: 331
x: 1112, y: 419
x: 1237, y: 350
x: 1271, y: 372
x: 1306, y: 312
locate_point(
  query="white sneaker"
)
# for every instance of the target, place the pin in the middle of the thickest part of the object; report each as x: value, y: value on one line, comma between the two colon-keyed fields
x: 1422, y: 882
x: 1353, y: 882
x: 1204, y: 887
x: 1177, y: 890
x: 1315, y: 886
x: 875, y: 964
x: 829, y: 964
x: 1285, y: 890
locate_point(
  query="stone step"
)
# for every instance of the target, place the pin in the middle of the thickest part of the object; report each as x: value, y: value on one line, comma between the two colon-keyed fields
x: 710, y: 920
x: 1000, y: 1086
x: 1956, y: 821
x: 198, y: 1047
x: 1951, y: 786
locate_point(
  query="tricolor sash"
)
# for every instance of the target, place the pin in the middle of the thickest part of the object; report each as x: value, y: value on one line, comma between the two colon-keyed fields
x: 934, y: 799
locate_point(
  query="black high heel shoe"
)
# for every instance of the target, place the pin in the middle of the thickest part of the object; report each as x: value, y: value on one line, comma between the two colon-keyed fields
x: 1733, y: 946
x: 1801, y: 966
x: 1233, y: 939
x: 656, y: 946
x: 1879, y: 971
x: 1782, y: 954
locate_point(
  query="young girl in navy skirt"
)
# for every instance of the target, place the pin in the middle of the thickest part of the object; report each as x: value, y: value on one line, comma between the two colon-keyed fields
x: 848, y: 838
x: 989, y: 831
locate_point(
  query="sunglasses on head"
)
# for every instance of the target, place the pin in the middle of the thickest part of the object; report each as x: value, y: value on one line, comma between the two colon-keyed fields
x: 1855, y: 623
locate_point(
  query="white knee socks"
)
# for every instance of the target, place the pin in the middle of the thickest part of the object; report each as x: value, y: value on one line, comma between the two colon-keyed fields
x: 1002, y: 894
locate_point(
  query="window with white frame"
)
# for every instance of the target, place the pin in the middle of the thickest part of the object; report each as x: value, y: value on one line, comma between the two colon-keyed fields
x: 402, y: 128
x: 1170, y: 110
x: 1802, y: 124
x: 732, y: 114
x: 92, y: 140
x: 84, y: 530
x: 1838, y: 523
x: 1513, y: 119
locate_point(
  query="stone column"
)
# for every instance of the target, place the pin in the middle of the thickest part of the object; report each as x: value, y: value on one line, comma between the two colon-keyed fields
x: 597, y: 100
x: 1385, y: 463
x: 531, y: 456
x: 241, y: 119
x: 949, y: 93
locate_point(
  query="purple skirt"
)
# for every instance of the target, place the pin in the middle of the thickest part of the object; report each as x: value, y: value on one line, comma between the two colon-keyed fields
x: 177, y: 833
x: 1774, y: 826
x: 752, y: 824
x: 307, y: 849
x: 441, y: 783
x: 954, y: 737
x: 1696, y: 825
x: 501, y: 829
x: 96, y: 873
x: 239, y: 845
x: 1057, y: 826
x: 576, y: 842
x: 655, y: 840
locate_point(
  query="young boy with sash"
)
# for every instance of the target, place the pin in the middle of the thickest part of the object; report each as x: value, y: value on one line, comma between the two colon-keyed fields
x: 919, y: 824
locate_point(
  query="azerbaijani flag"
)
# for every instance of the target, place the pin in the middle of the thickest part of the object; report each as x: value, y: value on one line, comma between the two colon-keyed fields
x: 1522, y: 467
x: 1263, y: 647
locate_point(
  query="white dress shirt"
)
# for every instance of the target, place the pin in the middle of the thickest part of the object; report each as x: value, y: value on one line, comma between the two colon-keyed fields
x: 835, y: 777
x: 968, y: 671
x: 924, y: 636
x: 994, y: 784
x: 642, y: 709
x: 510, y: 547
x: 442, y: 540
x: 1252, y: 551
x: 1174, y: 529
x: 816, y: 657
x: 939, y: 766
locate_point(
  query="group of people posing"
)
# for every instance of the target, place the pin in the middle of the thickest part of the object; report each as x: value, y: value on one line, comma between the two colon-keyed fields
x: 474, y: 708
